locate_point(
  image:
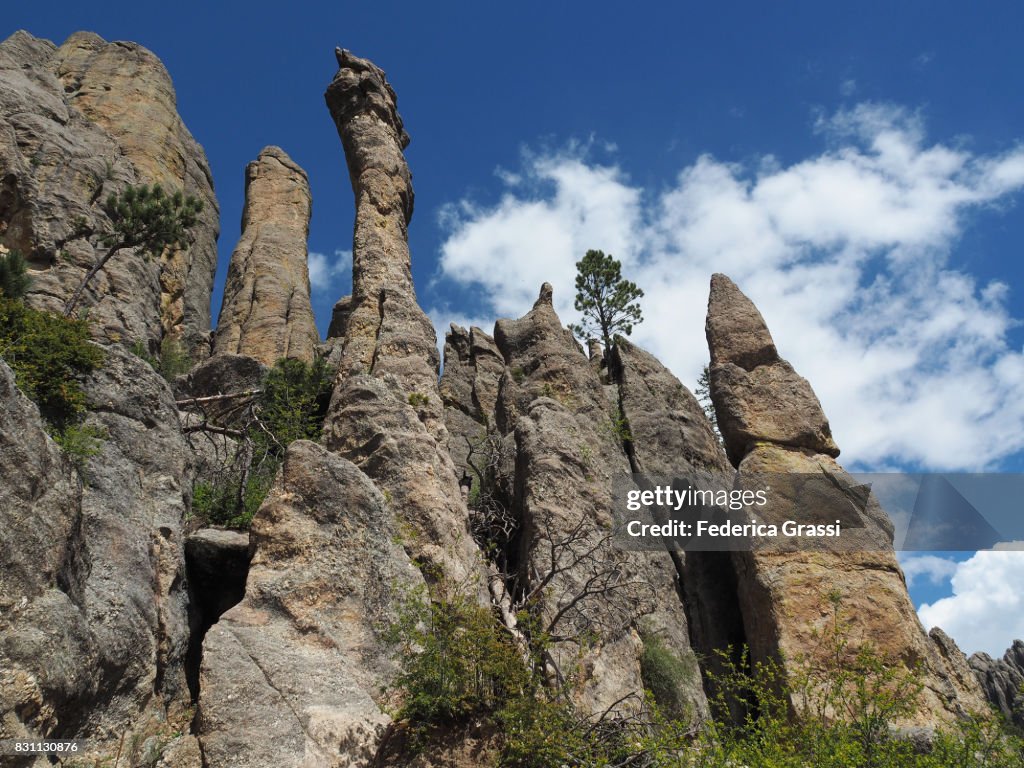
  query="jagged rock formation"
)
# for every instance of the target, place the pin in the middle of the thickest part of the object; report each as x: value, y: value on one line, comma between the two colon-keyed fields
x: 773, y: 425
x: 266, y: 312
x: 572, y: 442
x: 1002, y: 680
x: 77, y: 123
x: 386, y: 414
x: 95, y: 629
x: 293, y: 674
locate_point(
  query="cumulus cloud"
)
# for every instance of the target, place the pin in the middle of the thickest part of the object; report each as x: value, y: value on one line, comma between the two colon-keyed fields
x: 936, y: 570
x: 848, y: 254
x: 986, y: 610
x: 325, y: 270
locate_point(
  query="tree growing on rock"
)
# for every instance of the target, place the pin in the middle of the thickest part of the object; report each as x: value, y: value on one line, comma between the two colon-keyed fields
x: 609, y: 302
x: 146, y: 218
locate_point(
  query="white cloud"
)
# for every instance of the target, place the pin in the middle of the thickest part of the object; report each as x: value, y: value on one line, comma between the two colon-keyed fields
x: 936, y: 570
x: 846, y: 253
x: 324, y: 270
x: 986, y: 610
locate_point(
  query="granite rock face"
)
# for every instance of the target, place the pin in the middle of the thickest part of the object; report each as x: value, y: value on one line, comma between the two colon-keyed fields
x: 1003, y: 680
x: 386, y: 414
x: 774, y: 427
x: 97, y: 640
x: 77, y: 123
x: 292, y: 676
x: 266, y: 312
x: 40, y: 576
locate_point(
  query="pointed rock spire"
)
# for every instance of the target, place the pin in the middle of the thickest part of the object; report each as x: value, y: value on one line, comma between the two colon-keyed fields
x: 266, y: 312
x: 758, y: 396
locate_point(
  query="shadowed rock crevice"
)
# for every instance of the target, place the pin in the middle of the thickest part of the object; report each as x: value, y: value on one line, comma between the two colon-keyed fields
x: 217, y: 564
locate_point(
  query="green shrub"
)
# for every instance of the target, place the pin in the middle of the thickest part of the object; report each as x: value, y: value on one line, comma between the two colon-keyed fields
x: 48, y: 354
x: 667, y: 677
x: 80, y: 442
x: 418, y: 399
x: 292, y: 406
x: 14, y: 279
x: 456, y: 662
x: 173, y: 360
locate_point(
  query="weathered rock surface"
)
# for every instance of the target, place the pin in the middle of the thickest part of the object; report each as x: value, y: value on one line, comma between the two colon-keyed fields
x: 1002, y: 680
x: 774, y: 427
x: 266, y: 312
x: 292, y: 676
x: 41, y: 619
x: 757, y: 395
x: 386, y: 414
x: 95, y: 627
x: 77, y: 123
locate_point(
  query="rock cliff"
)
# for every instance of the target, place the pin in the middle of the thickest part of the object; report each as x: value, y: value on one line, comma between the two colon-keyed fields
x: 266, y: 312
x: 77, y: 123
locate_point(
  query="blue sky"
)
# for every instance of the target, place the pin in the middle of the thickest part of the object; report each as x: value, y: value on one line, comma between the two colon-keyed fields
x: 856, y: 167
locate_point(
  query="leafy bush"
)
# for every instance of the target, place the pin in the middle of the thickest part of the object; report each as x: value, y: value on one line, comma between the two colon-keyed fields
x: 666, y: 676
x: 459, y: 665
x: 14, y: 279
x: 173, y: 360
x: 48, y: 354
x: 456, y: 661
x: 291, y: 406
x: 81, y: 442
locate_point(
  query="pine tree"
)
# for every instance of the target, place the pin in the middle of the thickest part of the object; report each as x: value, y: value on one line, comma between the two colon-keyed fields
x: 146, y: 218
x: 14, y: 277
x: 607, y: 300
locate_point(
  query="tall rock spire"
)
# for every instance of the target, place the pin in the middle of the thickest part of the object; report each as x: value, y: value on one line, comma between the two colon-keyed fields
x: 386, y: 329
x: 266, y: 312
x: 387, y: 415
x: 774, y: 427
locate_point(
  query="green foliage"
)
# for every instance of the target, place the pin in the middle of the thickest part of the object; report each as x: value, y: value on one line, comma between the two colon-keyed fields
x: 418, y: 399
x: 609, y: 303
x: 173, y: 360
x: 836, y: 709
x: 292, y: 406
x: 48, y: 355
x: 457, y: 662
x: 226, y: 502
x: 294, y: 402
x: 459, y: 665
x: 703, y: 395
x: 148, y: 218
x: 14, y: 279
x: 667, y: 677
x: 80, y: 442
